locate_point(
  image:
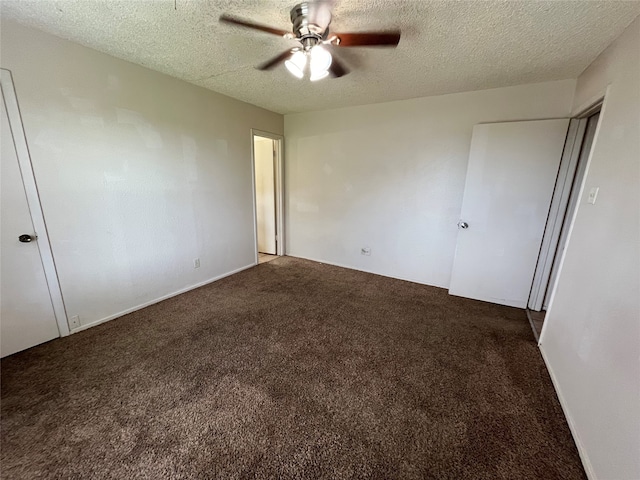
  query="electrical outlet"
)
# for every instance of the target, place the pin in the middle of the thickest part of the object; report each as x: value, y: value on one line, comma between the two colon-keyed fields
x: 196, y: 263
x: 365, y: 251
x: 593, y: 194
x: 74, y: 322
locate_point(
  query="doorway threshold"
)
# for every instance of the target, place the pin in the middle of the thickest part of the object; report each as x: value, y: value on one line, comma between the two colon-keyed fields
x: 265, y: 257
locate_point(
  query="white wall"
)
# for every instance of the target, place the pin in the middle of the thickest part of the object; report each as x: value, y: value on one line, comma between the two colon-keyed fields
x: 591, y: 337
x: 139, y: 173
x: 391, y: 176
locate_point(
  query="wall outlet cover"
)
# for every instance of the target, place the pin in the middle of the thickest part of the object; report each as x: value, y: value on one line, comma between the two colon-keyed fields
x: 196, y: 263
x: 74, y: 322
x: 365, y: 251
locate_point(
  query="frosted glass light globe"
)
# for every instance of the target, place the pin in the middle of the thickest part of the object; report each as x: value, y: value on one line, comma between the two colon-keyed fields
x: 320, y: 62
x: 296, y: 64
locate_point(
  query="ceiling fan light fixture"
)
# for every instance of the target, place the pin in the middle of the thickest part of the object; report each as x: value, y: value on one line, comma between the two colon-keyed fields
x: 310, y: 28
x: 296, y: 64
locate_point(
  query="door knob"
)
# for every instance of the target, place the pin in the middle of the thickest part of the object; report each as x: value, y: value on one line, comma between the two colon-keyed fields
x: 25, y: 238
x: 463, y: 225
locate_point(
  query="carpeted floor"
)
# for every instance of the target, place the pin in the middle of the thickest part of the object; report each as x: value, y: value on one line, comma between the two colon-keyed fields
x: 291, y: 369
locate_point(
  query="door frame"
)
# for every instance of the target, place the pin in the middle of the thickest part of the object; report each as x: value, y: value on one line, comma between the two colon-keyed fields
x: 33, y: 200
x: 279, y: 189
x: 565, y: 185
x: 557, y: 210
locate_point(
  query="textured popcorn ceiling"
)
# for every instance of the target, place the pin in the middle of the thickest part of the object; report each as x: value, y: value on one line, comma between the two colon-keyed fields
x: 446, y: 46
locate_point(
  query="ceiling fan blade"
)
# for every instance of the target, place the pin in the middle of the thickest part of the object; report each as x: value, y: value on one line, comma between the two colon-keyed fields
x: 256, y: 26
x: 369, y: 39
x: 337, y: 68
x: 275, y: 61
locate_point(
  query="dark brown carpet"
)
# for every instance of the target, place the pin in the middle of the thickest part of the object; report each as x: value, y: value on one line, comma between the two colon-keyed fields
x: 291, y: 369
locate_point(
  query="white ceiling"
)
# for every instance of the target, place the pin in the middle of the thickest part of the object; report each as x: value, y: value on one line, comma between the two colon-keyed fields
x: 446, y: 46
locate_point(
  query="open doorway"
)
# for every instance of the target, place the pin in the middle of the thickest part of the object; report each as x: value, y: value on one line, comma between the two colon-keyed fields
x: 573, y: 167
x: 267, y: 169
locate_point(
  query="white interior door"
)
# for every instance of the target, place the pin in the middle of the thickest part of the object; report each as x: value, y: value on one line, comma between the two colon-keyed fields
x: 27, y: 315
x: 265, y: 194
x: 510, y: 180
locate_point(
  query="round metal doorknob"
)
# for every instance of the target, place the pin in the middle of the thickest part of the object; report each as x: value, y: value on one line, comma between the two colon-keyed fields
x: 463, y: 225
x: 27, y: 238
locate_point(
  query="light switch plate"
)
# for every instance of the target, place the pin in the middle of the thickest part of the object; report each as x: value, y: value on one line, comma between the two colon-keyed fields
x: 593, y: 194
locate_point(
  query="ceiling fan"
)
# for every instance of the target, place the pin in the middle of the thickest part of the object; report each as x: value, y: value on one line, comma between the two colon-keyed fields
x: 311, y: 28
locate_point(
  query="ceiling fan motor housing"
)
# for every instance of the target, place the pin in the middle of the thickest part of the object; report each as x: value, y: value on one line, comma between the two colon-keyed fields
x: 310, y: 23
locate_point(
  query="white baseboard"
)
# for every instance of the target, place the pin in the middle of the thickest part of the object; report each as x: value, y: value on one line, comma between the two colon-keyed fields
x: 158, y: 300
x: 576, y: 438
x: 351, y: 267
